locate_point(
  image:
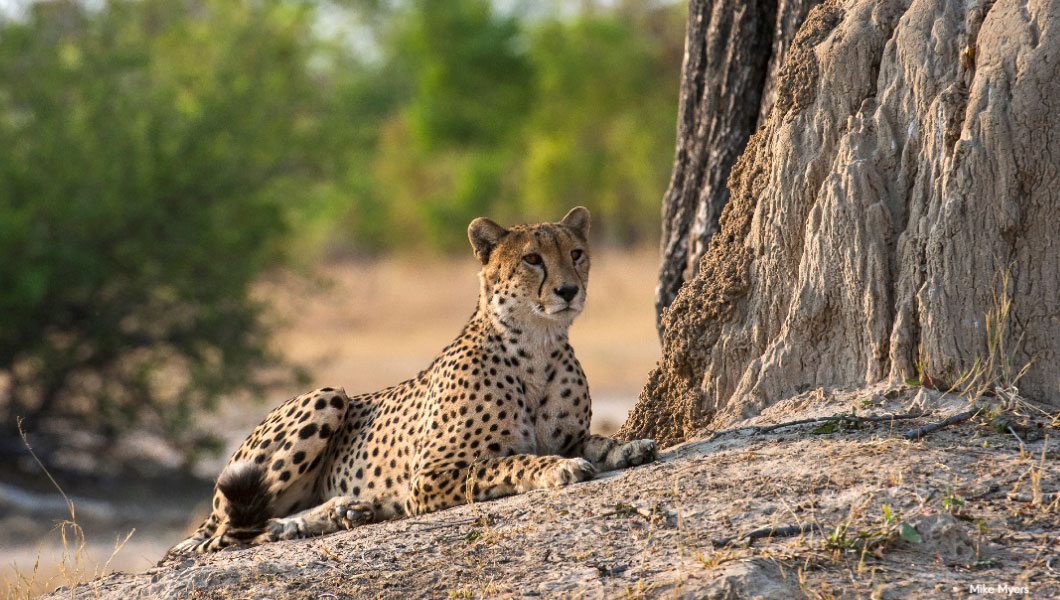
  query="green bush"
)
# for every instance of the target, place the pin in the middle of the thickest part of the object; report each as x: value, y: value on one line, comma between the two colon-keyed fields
x: 521, y: 119
x: 601, y: 130
x: 149, y: 152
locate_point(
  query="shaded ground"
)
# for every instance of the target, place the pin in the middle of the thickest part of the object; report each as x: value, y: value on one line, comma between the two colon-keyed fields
x: 979, y: 507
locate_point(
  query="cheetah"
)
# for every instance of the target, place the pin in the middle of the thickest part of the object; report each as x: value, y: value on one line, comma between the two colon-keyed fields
x: 503, y: 409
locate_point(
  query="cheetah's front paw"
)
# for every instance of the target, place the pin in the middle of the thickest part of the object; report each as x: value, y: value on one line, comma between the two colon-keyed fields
x: 631, y: 454
x: 349, y: 515
x: 567, y: 471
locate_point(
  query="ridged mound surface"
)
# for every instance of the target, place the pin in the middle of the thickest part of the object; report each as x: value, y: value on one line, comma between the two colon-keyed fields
x: 910, y: 160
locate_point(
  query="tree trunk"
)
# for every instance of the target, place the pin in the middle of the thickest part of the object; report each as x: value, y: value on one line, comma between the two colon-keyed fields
x: 896, y: 216
x: 733, y: 50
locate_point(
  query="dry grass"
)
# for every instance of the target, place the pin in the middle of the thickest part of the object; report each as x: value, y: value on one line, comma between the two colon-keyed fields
x: 996, y: 372
x: 74, y: 563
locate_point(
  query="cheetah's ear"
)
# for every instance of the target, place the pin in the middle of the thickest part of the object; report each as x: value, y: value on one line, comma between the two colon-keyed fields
x: 484, y: 235
x: 578, y: 220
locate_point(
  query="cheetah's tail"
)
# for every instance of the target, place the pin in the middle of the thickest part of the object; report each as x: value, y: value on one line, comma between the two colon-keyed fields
x: 243, y: 485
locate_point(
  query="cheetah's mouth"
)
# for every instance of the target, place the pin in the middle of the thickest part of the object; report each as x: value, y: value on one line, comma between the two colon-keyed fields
x: 559, y: 310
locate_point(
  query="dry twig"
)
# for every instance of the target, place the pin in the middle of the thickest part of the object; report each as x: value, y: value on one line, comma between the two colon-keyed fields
x: 431, y: 525
x: 787, y: 531
x: 919, y: 432
x: 760, y: 429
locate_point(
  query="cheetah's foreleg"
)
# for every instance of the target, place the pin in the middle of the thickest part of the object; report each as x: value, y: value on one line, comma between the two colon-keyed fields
x: 608, y: 454
x: 451, y: 484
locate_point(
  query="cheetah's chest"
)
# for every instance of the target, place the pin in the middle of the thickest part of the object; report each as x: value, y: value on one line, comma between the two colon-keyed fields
x: 551, y: 422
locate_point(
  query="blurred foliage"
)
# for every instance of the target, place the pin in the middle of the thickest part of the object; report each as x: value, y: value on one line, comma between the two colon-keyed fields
x: 522, y: 118
x: 157, y: 155
x: 601, y: 130
x: 150, y: 153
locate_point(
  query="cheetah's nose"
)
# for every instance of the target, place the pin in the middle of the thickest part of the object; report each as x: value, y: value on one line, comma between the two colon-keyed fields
x: 566, y: 291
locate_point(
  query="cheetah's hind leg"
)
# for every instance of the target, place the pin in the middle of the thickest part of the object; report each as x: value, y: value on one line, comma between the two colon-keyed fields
x: 242, y: 485
x: 276, y: 471
x: 337, y: 514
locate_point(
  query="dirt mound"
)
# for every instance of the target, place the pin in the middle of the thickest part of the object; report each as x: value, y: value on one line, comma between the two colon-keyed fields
x: 902, y: 173
x: 967, y: 505
x: 752, y: 579
x: 944, y: 538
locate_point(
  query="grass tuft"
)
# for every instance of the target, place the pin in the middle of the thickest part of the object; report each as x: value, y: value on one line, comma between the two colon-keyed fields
x: 73, y: 567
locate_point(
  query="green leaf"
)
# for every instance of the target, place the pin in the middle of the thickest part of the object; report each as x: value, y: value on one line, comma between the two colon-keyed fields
x: 828, y: 427
x: 912, y: 381
x: 909, y: 533
x: 472, y: 535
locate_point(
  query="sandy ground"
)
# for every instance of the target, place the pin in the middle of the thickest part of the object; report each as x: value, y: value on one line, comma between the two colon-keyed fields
x: 362, y: 325
x: 962, y: 509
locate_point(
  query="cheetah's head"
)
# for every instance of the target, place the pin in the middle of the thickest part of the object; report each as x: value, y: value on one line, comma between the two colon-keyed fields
x: 533, y: 273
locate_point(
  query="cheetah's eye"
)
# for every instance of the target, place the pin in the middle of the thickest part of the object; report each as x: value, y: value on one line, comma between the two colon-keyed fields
x: 532, y: 259
x: 575, y: 255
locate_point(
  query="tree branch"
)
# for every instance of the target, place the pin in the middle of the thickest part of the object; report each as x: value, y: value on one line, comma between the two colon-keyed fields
x: 917, y: 433
x: 760, y: 429
x: 787, y: 531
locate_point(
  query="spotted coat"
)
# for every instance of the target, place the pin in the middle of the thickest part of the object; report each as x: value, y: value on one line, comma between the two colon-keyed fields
x: 503, y: 409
